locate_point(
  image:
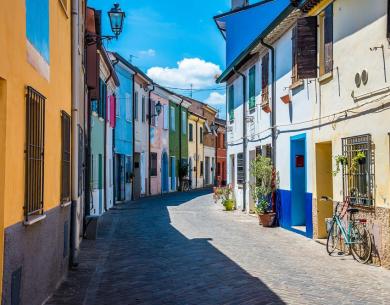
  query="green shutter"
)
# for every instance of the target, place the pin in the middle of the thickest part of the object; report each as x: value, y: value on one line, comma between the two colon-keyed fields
x: 231, y: 103
x: 252, y: 88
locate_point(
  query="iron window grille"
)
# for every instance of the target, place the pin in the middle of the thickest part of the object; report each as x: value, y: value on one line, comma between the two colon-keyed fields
x: 35, y: 148
x: 240, y: 168
x: 65, y: 156
x: 358, y: 180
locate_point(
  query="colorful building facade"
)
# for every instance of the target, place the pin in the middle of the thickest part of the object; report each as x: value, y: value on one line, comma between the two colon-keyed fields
x: 195, y: 149
x: 35, y: 104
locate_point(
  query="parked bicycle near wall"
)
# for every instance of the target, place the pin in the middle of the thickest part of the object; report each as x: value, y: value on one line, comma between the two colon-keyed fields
x: 353, y: 235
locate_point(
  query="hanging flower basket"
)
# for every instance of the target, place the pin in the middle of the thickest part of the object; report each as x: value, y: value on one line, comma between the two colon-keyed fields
x: 286, y: 99
x: 266, y: 108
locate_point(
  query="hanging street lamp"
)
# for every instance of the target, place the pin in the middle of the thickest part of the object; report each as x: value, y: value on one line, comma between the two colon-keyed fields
x: 116, y: 16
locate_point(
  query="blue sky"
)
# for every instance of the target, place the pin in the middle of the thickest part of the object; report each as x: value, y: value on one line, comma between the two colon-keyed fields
x: 176, y: 42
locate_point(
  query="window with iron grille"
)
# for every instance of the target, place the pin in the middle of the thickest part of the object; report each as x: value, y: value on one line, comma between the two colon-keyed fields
x: 358, y: 173
x: 240, y: 168
x: 35, y: 148
x: 153, y: 164
x: 65, y: 157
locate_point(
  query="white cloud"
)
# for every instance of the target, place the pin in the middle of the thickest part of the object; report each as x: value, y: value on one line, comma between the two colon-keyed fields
x: 195, y: 71
x: 215, y: 99
x: 147, y: 53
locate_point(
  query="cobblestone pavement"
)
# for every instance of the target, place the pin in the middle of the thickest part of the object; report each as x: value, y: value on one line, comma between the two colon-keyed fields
x: 184, y: 249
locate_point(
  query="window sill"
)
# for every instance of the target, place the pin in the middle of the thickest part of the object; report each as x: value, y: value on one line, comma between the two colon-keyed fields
x: 65, y: 204
x: 34, y: 219
x: 325, y: 78
x: 296, y: 84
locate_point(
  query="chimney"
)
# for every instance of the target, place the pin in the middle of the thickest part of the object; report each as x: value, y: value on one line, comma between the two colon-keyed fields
x: 236, y: 4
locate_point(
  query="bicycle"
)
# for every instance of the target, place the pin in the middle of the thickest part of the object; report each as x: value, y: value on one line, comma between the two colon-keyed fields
x: 356, y: 236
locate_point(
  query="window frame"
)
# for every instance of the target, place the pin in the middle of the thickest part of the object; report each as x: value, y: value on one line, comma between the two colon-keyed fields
x: 184, y: 122
x: 136, y: 98
x: 190, y: 132
x: 172, y: 118
x: 65, y: 157
x: 252, y: 88
x: 153, y: 164
x: 35, y: 153
x: 325, y: 21
x: 231, y: 102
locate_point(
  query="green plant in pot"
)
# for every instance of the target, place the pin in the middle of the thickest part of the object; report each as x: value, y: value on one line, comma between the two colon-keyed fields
x: 266, y: 179
x: 340, y: 162
x: 227, y: 199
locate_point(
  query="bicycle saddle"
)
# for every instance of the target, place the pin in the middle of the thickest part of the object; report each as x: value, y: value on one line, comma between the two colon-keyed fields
x: 352, y: 210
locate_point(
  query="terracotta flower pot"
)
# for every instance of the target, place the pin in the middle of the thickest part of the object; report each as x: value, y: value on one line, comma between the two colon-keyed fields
x: 286, y: 99
x: 266, y: 108
x: 267, y: 220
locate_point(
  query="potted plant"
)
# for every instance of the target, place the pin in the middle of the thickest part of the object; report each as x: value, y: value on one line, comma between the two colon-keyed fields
x: 266, y: 108
x: 266, y: 183
x: 227, y: 199
x: 340, y: 160
x: 286, y: 98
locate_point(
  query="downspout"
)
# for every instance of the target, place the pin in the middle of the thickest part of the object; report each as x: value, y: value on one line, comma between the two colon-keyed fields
x: 114, y: 172
x: 105, y: 145
x: 149, y: 142
x: 244, y: 138
x: 133, y: 139
x: 73, y: 261
x: 180, y: 135
x: 273, y: 109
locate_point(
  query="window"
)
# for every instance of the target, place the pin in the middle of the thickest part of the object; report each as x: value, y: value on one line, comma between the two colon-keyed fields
x: 80, y: 166
x: 101, y: 104
x: 128, y: 108
x: 201, y: 168
x: 190, y: 132
x: 184, y: 122
x: 306, y: 47
x: 65, y: 157
x: 35, y: 134
x: 136, y: 106
x: 326, y: 40
x: 153, y: 116
x: 166, y: 116
x: 252, y: 88
x: 200, y: 135
x: 265, y: 79
x: 153, y: 164
x: 173, y: 119
x: 240, y: 168
x: 231, y: 102
x: 218, y: 169
x: 143, y: 114
x: 358, y: 179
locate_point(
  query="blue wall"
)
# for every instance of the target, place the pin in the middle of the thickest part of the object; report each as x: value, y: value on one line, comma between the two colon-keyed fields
x: 124, y: 128
x: 37, y: 26
x: 242, y: 28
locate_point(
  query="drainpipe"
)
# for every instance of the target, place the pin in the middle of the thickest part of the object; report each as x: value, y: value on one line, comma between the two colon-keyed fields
x: 196, y: 156
x: 133, y: 139
x: 244, y: 137
x: 216, y: 158
x: 273, y: 100
x: 74, y: 252
x: 149, y: 142
x: 180, y: 135
x: 273, y: 107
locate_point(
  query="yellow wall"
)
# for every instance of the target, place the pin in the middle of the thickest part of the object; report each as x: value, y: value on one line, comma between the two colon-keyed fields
x: 18, y: 74
x: 192, y: 147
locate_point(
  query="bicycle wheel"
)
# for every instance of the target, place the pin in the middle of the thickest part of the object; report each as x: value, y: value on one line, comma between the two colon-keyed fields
x: 334, y: 238
x: 361, y: 245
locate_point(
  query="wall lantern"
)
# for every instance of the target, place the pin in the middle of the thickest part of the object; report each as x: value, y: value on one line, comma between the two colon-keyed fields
x: 116, y: 16
x: 158, y: 108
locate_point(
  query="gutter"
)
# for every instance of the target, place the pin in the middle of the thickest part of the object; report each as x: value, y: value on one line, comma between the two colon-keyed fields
x: 133, y: 139
x: 149, y: 142
x: 76, y: 200
x: 197, y: 158
x: 273, y: 109
x: 244, y: 137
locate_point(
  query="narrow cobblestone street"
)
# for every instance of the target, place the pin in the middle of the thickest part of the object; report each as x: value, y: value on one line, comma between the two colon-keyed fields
x: 184, y: 249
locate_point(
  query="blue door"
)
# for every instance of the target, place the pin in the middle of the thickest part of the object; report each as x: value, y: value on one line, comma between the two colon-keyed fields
x: 298, y: 180
x: 164, y: 173
x: 173, y: 174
